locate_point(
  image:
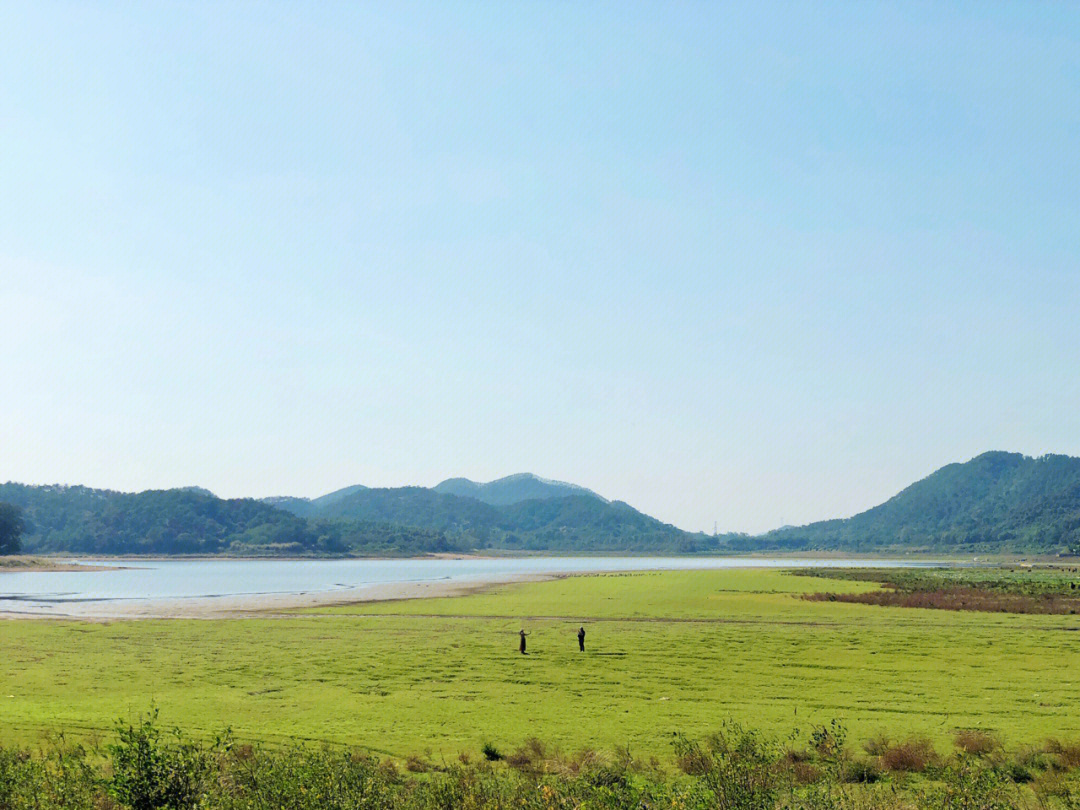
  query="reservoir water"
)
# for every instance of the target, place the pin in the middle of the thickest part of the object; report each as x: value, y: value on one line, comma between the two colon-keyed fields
x: 151, y: 584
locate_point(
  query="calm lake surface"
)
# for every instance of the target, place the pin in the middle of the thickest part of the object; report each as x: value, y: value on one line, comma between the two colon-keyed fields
x: 94, y: 592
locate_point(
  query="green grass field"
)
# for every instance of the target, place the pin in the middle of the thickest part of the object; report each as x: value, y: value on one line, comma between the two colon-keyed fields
x: 671, y: 651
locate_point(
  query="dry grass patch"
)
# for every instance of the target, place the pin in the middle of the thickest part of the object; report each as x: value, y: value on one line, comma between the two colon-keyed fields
x: 1068, y: 752
x: 977, y: 742
x: 958, y: 598
x: 911, y: 756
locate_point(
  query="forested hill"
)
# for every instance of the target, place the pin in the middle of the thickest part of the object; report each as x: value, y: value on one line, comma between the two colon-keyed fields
x: 410, y: 506
x: 310, y: 507
x: 356, y: 520
x: 571, y: 523
x: 190, y: 521
x: 996, y: 502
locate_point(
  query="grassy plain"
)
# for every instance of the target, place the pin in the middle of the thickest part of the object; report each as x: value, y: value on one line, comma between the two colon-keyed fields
x: 667, y: 651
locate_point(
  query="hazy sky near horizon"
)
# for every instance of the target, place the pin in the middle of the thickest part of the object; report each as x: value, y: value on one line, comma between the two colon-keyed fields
x: 736, y: 262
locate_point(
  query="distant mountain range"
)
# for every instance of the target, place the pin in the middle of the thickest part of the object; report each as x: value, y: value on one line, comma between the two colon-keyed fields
x: 995, y: 502
x: 521, y: 512
x: 518, y: 512
x: 502, y: 492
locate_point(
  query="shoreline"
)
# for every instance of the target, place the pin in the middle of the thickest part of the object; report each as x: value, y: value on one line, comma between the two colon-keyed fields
x: 264, y: 606
x: 44, y: 562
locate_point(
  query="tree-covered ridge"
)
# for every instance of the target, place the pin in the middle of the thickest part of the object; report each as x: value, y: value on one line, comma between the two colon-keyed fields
x: 310, y: 507
x: 357, y: 520
x: 93, y: 521
x: 583, y: 521
x: 995, y: 502
x: 571, y: 523
x: 410, y: 506
x: 512, y: 489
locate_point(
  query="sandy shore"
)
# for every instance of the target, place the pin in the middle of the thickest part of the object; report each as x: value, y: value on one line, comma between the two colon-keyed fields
x: 261, y: 605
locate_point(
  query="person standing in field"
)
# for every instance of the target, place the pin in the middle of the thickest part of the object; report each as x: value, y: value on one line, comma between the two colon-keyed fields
x: 521, y: 647
x: 581, y: 639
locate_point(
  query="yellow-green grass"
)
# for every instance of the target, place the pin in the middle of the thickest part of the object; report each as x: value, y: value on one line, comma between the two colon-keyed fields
x: 670, y: 651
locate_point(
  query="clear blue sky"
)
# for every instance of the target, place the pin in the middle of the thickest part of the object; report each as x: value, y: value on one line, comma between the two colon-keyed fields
x: 744, y: 263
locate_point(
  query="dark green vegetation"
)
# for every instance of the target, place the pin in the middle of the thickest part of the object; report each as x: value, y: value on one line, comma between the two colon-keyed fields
x: 310, y: 507
x: 11, y: 528
x: 1039, y: 590
x: 568, y: 523
x: 187, y: 521
x: 143, y: 767
x: 995, y: 502
x: 356, y: 521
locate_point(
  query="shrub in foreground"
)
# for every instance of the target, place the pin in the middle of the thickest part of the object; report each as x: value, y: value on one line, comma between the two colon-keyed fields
x: 145, y: 768
x: 736, y: 765
x: 151, y: 772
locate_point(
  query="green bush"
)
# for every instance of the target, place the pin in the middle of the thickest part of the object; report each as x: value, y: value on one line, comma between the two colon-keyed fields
x: 145, y: 768
x: 971, y: 785
x: 860, y: 771
x: 152, y: 773
x: 737, y: 766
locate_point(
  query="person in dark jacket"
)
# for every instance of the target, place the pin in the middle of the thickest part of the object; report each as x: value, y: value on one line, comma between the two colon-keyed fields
x: 521, y: 647
x: 581, y: 639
